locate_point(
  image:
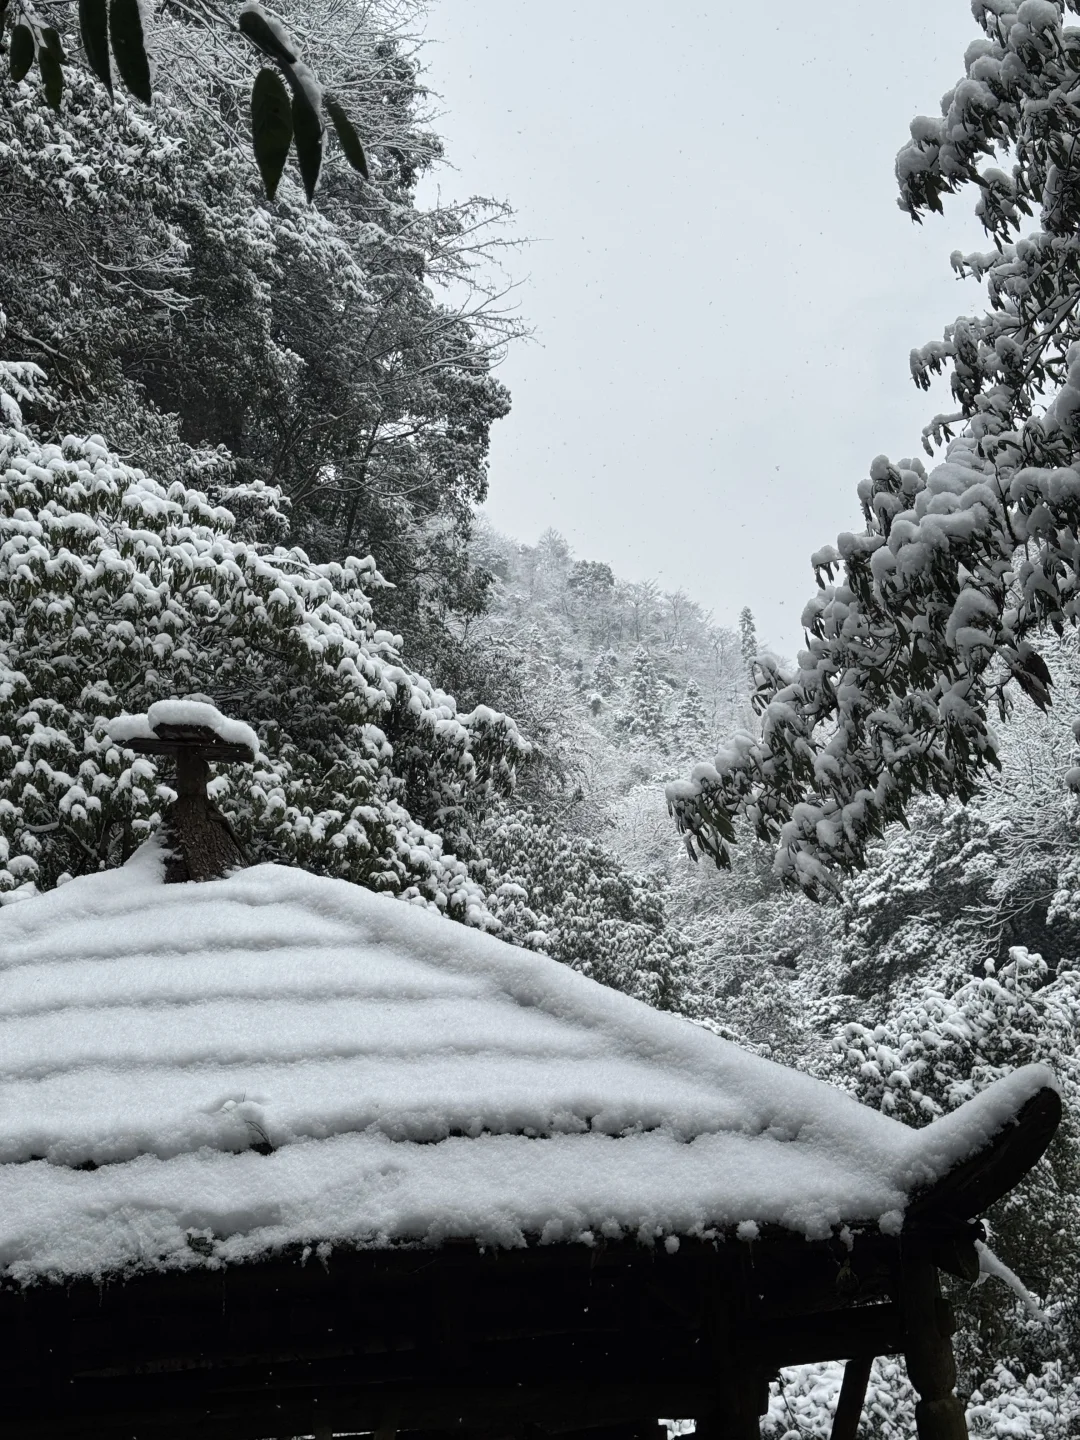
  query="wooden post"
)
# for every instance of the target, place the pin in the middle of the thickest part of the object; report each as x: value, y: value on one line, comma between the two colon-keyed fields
x: 742, y: 1390
x: 928, y: 1329
x: 852, y: 1395
x: 743, y: 1399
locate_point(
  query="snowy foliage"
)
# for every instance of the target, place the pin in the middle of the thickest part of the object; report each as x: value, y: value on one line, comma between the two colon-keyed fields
x: 959, y: 570
x: 175, y: 311
x: 573, y: 899
x: 116, y: 591
x: 1006, y: 1406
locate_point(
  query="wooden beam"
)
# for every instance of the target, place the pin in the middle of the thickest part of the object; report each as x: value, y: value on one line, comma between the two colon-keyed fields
x: 856, y: 1334
x: 276, y: 1414
x: 852, y: 1395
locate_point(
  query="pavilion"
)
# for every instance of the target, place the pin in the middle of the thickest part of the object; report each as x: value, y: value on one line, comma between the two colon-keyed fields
x: 282, y: 1157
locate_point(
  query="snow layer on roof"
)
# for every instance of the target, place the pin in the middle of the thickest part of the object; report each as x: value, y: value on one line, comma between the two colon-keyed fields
x: 417, y: 1080
x: 182, y: 712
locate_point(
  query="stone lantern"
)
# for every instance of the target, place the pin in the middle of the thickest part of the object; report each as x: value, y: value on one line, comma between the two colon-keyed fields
x: 201, y: 843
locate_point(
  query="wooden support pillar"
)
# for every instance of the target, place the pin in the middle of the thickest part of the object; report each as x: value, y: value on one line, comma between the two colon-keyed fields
x: 742, y: 1391
x: 741, y: 1402
x: 852, y: 1395
x: 928, y: 1330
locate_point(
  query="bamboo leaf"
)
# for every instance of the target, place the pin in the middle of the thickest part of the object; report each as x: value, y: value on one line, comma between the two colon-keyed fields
x: 52, y: 77
x: 51, y: 38
x: 271, y: 127
x: 254, y: 24
x: 346, y: 133
x: 308, y: 133
x: 129, y: 47
x: 94, y: 26
x: 22, y: 49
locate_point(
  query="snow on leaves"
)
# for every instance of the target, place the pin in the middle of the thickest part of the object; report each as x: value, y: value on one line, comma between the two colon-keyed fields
x: 905, y: 655
x: 938, y: 603
x: 116, y: 592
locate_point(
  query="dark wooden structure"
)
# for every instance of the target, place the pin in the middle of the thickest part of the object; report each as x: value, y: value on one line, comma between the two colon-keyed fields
x: 200, y: 841
x: 552, y: 1340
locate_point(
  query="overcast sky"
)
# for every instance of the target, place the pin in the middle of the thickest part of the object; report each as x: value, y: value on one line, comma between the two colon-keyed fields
x: 722, y: 288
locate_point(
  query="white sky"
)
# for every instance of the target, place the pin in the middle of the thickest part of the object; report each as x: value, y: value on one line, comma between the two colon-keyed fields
x: 723, y: 290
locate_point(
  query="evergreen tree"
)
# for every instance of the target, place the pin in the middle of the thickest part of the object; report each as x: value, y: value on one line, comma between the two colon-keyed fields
x: 960, y: 571
x: 116, y: 591
x: 605, y: 673
x: 690, y: 728
x: 571, y: 898
x: 643, y: 717
x: 748, y: 638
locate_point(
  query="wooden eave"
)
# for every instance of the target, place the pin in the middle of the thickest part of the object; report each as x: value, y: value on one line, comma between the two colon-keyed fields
x: 565, y: 1337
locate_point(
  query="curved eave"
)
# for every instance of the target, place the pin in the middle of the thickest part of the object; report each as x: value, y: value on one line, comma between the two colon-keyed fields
x: 976, y: 1183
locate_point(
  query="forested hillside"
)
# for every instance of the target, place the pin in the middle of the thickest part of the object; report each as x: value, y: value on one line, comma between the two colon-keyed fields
x: 953, y: 957
x: 243, y: 447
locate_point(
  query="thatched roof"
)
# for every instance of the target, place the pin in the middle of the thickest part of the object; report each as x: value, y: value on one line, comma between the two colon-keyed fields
x: 192, y: 1074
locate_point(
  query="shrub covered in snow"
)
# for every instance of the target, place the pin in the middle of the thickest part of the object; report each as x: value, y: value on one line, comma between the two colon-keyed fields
x: 116, y: 592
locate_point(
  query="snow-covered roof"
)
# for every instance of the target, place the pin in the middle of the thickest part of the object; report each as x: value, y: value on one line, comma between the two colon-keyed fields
x: 416, y: 1079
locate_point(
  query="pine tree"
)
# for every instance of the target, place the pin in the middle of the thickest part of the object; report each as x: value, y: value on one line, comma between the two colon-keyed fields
x: 605, y: 673
x: 748, y: 644
x: 643, y: 718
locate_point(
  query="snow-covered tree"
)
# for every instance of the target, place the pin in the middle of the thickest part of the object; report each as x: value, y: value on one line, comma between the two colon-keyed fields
x: 940, y: 602
x: 116, y: 591
x: 643, y: 716
x: 571, y: 898
x: 174, y: 308
x: 289, y: 108
x: 690, y: 727
x: 939, y: 1047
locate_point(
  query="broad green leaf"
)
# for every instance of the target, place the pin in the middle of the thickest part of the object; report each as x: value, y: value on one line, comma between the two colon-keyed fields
x: 129, y: 47
x: 52, y: 77
x: 51, y: 38
x: 346, y: 133
x: 308, y: 133
x: 94, y: 24
x: 260, y: 33
x: 271, y: 127
x: 21, y: 55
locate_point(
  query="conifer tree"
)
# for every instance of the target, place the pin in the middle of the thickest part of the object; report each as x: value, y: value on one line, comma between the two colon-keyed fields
x: 643, y: 718
x: 690, y: 724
